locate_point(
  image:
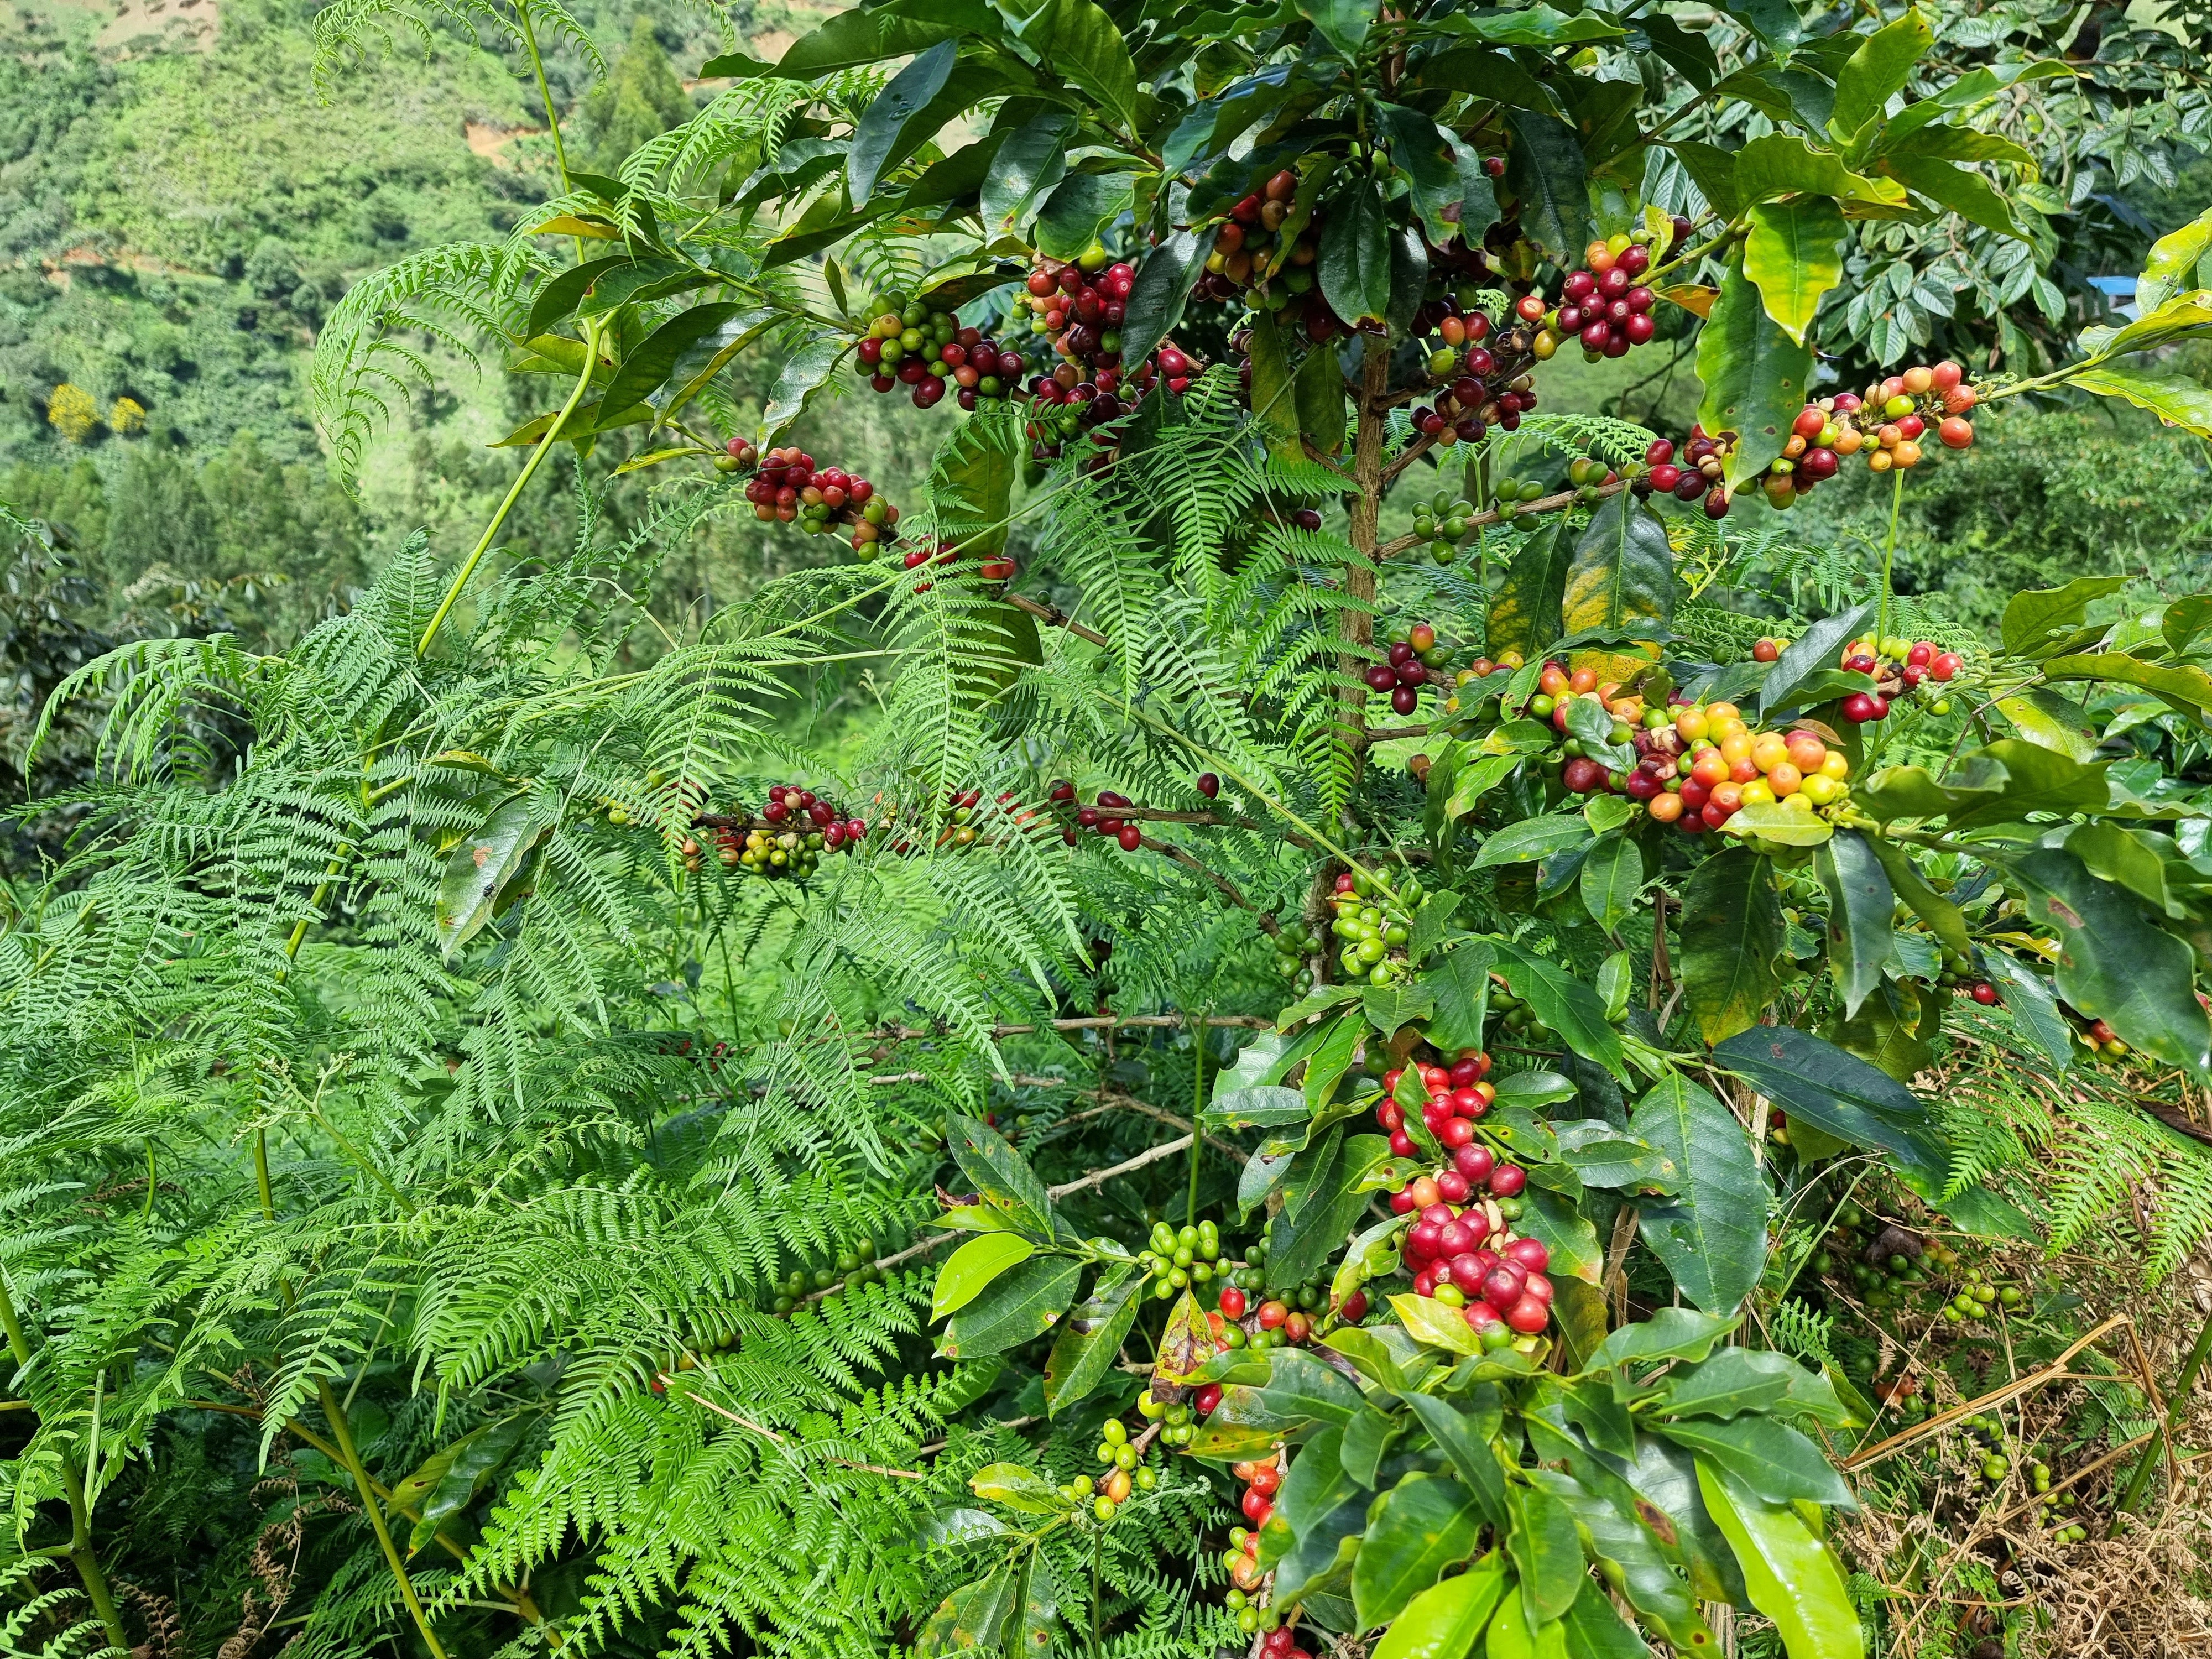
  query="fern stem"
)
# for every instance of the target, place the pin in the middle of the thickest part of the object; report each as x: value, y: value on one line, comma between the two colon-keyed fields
x: 82, y: 1555
x: 538, y: 455
x: 350, y: 1456
x: 544, y: 94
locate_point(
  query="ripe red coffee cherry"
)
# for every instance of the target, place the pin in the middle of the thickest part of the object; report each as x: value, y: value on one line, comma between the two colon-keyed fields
x: 1530, y: 1254
x: 1475, y: 1162
x: 1508, y: 1179
x: 1985, y: 993
x: 1502, y: 1285
x: 1527, y: 1315
x: 1454, y: 1186
x: 1232, y: 1303
x: 1208, y: 785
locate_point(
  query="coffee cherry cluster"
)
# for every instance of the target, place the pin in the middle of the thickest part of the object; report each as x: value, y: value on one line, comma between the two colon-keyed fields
x: 788, y: 837
x: 854, y: 1266
x: 1414, y: 658
x: 1178, y: 1418
x: 1898, y: 668
x: 1458, y: 1098
x: 1373, y: 926
x: 1890, y: 421
x: 1467, y: 1257
x: 1887, y: 424
x: 1125, y: 1473
x: 1248, y: 254
x: 1722, y: 765
x: 1079, y: 307
x: 2098, y: 1037
x: 1605, y: 306
x: 1294, y: 945
x: 1445, y: 520
x: 1479, y: 387
x: 1262, y: 1478
x: 1181, y: 1256
x: 1886, y: 1263
x: 928, y: 349
x: 788, y: 489
x: 1101, y: 819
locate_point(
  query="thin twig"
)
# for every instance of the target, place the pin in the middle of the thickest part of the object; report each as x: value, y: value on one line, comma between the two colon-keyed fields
x: 1054, y: 617
x: 1100, y: 1177
x: 2034, y: 1379
x: 1090, y: 1023
x: 1557, y: 503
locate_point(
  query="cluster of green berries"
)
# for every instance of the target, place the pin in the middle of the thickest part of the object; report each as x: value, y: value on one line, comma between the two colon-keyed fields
x: 1294, y: 945
x: 1977, y: 1294
x: 1374, y: 926
x: 1178, y: 1420
x: 1125, y: 1472
x: 1181, y: 1256
x: 853, y: 1265
x: 1444, y: 522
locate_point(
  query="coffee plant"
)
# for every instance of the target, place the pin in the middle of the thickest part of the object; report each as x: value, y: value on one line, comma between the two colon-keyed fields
x: 519, y: 1151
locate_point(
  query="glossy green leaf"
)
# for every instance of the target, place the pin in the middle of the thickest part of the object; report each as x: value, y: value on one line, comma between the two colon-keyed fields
x: 2115, y: 962
x: 1960, y: 189
x: 1731, y: 926
x: 1524, y: 613
x: 2035, y: 617
x: 1754, y: 377
x: 2185, y: 683
x: 1424, y: 1524
x: 1732, y: 1382
x: 1564, y: 1003
x: 1274, y: 398
x: 2028, y: 997
x: 1794, y: 254
x: 1861, y: 905
x: 969, y: 1269
x: 852, y: 38
x: 1545, y: 1551
x: 1079, y: 40
x: 804, y: 375
x: 482, y: 868
x: 1526, y: 839
x: 1622, y: 575
x: 1089, y: 1342
x: 1669, y: 1334
x: 1319, y: 1563
x: 1461, y: 981
x: 1343, y: 23
x: 1783, y: 164
x: 1769, y: 824
x: 1022, y: 1303
x: 1790, y: 1575
x: 1164, y: 281
x: 2182, y: 317
x: 1565, y: 1232
x: 2174, y: 266
x: 1630, y: 1555
x: 1315, y: 1483
x: 462, y: 1471
x: 1711, y: 1234
x: 1018, y: 1487
x: 1770, y: 1457
x: 1003, y: 1176
x: 972, y: 1619
x: 2051, y: 721
x: 1839, y: 1093
x: 1816, y: 648
x: 1877, y: 72
x: 1937, y: 914
x: 1354, y: 266
x: 1538, y: 25
x: 1434, y: 1322
x: 1318, y: 393
x: 1444, y: 1619
x: 1028, y: 163
x: 1546, y: 173
x: 1596, y: 1630
x: 1510, y: 1636
x: 1591, y: 724
x: 882, y: 128
x: 557, y: 299
x: 1467, y: 1439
